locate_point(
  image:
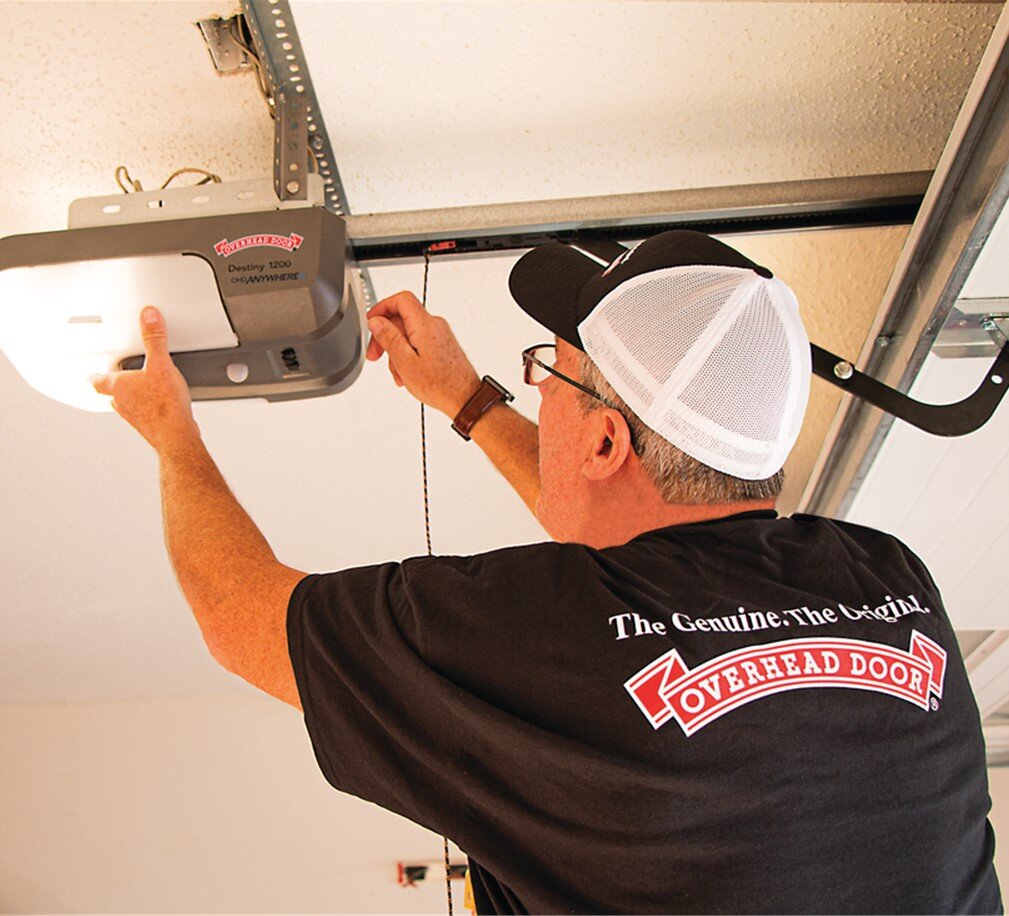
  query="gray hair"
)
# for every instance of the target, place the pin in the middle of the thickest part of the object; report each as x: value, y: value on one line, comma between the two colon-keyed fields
x: 677, y: 476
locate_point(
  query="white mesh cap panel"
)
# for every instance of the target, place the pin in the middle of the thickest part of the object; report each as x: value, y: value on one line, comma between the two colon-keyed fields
x: 750, y: 406
x: 714, y: 359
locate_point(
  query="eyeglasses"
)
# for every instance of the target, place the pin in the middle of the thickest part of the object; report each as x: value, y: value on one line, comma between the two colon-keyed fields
x: 539, y: 366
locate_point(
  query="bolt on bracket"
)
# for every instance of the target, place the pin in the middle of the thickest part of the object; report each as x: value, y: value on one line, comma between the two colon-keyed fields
x: 290, y: 142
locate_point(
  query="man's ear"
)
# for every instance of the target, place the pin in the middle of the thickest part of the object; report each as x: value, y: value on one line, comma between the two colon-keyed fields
x: 610, y: 445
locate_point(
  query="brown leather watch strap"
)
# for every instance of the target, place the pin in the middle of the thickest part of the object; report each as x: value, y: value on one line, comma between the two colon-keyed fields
x: 487, y: 395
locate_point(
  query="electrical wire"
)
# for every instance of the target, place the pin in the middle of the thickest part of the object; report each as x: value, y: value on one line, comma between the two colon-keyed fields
x: 427, y: 534
x: 236, y: 32
x: 122, y: 173
x: 216, y: 179
x: 134, y: 185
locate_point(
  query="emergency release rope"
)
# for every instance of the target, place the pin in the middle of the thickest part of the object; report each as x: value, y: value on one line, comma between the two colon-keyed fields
x: 427, y: 534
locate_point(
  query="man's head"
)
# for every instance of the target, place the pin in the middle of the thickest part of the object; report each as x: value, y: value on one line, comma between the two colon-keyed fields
x: 696, y: 356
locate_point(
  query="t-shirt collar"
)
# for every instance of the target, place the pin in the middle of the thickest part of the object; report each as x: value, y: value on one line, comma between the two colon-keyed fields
x: 735, y: 517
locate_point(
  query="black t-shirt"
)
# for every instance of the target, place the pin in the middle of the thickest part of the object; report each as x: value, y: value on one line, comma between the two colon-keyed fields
x: 745, y: 715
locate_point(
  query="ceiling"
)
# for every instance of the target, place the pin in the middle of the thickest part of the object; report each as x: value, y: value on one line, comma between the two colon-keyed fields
x: 428, y: 105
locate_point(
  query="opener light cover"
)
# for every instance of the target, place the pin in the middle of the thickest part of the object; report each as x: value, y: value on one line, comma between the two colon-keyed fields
x: 84, y: 317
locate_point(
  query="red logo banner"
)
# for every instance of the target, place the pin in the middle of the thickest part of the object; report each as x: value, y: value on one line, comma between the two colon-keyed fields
x: 666, y: 689
x: 291, y: 242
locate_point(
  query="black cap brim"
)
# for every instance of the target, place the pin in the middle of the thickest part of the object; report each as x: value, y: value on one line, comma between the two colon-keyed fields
x: 558, y: 285
x: 546, y: 281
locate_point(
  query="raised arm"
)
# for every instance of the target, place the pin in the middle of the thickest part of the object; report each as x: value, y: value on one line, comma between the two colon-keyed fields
x: 427, y: 360
x: 235, y: 585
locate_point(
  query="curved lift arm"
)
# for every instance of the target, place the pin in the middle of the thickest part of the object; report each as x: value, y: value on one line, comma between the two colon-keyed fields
x: 956, y: 419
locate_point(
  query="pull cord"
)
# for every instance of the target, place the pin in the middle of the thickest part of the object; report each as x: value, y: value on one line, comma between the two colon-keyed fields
x: 423, y: 456
x: 427, y: 534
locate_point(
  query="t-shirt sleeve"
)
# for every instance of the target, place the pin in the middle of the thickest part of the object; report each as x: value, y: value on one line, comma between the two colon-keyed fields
x: 376, y: 714
x: 407, y: 674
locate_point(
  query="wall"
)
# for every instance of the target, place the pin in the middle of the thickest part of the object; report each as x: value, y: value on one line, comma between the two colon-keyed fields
x: 998, y: 786
x: 196, y: 805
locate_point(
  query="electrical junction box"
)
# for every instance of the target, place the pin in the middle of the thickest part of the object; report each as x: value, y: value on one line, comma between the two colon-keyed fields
x: 260, y: 298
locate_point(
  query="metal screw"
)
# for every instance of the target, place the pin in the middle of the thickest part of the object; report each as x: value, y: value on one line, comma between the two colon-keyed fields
x: 844, y: 370
x: 292, y: 188
x: 317, y: 142
x: 882, y: 341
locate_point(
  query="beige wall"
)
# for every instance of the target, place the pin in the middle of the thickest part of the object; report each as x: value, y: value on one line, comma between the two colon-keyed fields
x: 998, y: 786
x: 207, y: 805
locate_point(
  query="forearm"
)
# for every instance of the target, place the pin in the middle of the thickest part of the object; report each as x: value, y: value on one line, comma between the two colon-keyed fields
x: 238, y: 591
x: 512, y: 444
x: 426, y: 358
x: 213, y: 544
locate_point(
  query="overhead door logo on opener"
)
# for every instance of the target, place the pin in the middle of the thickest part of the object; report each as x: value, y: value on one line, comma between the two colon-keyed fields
x: 290, y: 242
x: 666, y: 689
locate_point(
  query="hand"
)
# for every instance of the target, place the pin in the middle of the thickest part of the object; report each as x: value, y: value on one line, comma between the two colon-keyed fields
x: 154, y: 400
x: 424, y: 355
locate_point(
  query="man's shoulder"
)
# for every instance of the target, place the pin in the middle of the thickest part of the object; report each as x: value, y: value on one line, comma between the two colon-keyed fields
x: 854, y: 531
x: 788, y: 539
x: 798, y: 524
x: 745, y: 532
x: 503, y: 561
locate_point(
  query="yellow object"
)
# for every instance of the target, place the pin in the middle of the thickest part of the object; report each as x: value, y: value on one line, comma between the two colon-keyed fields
x: 467, y: 895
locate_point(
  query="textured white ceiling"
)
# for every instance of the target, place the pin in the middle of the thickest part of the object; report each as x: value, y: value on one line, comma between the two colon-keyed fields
x: 434, y: 105
x: 438, y: 104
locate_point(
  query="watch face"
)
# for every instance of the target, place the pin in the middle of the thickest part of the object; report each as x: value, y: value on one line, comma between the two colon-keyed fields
x: 497, y: 386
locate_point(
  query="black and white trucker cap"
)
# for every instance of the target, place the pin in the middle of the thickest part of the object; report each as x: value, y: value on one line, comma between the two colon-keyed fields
x: 704, y: 345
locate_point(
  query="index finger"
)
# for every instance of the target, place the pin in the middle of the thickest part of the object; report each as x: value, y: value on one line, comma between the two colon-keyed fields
x: 403, y: 305
x: 375, y: 349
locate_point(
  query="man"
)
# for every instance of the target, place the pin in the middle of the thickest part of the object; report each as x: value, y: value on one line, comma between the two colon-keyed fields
x: 681, y: 704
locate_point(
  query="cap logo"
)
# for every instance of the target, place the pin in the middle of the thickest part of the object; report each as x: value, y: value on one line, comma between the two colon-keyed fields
x: 622, y: 258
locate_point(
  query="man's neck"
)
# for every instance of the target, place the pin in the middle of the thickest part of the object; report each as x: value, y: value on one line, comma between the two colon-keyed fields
x: 618, y: 528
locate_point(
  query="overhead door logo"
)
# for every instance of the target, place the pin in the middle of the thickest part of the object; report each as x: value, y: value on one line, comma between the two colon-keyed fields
x: 666, y: 689
x: 290, y: 242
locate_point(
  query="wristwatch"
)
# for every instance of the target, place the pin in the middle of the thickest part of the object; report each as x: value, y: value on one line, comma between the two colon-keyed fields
x: 487, y: 395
